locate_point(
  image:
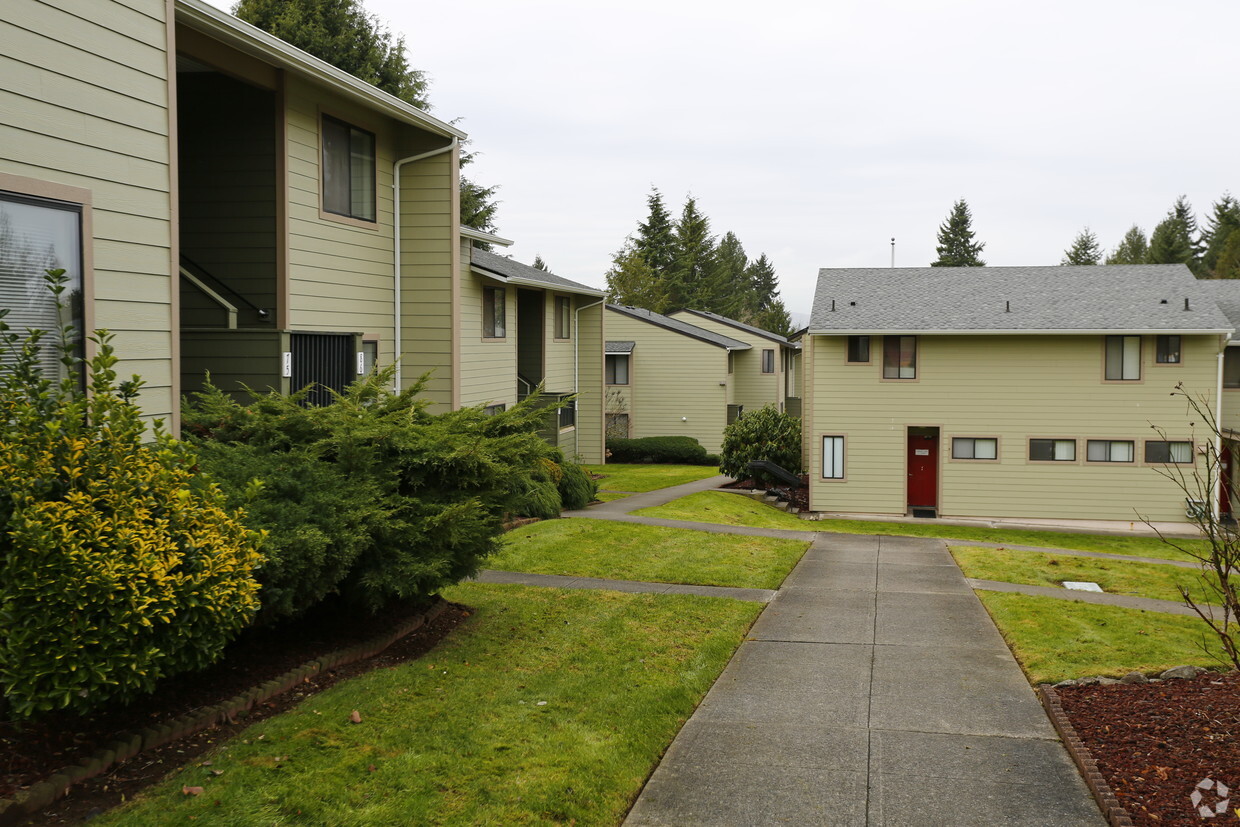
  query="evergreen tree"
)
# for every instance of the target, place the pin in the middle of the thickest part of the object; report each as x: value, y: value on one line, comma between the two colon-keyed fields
x: 691, y: 280
x: 1228, y: 264
x: 1085, y: 249
x: 539, y: 264
x: 956, y: 247
x: 1184, y: 215
x: 1169, y: 243
x: 1132, y: 249
x: 1219, y: 227
x: 631, y: 281
x: 732, y: 283
x: 763, y: 284
x: 655, y: 237
x: 775, y: 318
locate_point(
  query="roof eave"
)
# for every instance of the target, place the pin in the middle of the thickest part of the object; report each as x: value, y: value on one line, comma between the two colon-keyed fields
x: 485, y: 237
x: 541, y: 285
x: 254, y: 41
x: 1026, y: 332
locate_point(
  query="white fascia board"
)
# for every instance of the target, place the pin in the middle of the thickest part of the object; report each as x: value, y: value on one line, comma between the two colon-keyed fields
x: 485, y: 237
x: 242, y: 36
x: 1026, y: 332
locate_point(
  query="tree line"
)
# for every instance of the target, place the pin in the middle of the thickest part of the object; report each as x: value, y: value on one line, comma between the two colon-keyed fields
x: 678, y: 264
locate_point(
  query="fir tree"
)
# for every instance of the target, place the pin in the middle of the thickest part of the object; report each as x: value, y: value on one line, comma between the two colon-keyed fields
x: 775, y: 318
x: 655, y: 237
x: 1170, y: 243
x: 691, y: 280
x: 1219, y: 226
x: 732, y: 284
x: 1132, y: 248
x: 631, y: 281
x: 763, y: 284
x: 1084, y: 250
x: 956, y: 247
x: 539, y: 264
x: 1228, y: 264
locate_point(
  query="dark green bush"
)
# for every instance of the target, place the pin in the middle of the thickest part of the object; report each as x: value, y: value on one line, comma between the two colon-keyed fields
x: 577, y: 487
x: 118, y: 566
x: 764, y: 434
x: 422, y: 497
x: 682, y: 450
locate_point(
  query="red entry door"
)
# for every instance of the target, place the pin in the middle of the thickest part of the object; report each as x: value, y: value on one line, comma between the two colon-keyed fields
x: 923, y: 470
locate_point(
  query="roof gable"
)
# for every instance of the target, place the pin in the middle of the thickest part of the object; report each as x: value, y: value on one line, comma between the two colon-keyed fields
x: 510, y: 270
x: 733, y: 323
x: 683, y: 328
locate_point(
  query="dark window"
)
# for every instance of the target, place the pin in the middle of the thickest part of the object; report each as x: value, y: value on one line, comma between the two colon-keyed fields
x: 1051, y: 450
x: 617, y: 369
x: 493, y: 318
x: 492, y: 410
x: 967, y: 447
x: 731, y: 361
x: 768, y: 361
x: 37, y: 235
x: 1177, y: 452
x: 1109, y: 450
x: 348, y: 170
x: 370, y: 357
x: 1123, y: 358
x: 899, y: 357
x: 1168, y: 350
x: 568, y: 414
x: 1231, y: 367
x: 858, y: 348
x: 563, y: 317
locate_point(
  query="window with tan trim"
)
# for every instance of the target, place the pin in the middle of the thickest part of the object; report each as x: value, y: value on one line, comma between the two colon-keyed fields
x: 833, y: 457
x: 1109, y: 450
x: 969, y: 447
x: 563, y: 317
x: 1167, y: 452
x: 899, y: 357
x: 1167, y: 350
x: 1123, y: 358
x: 768, y: 361
x: 493, y: 315
x: 348, y: 170
x: 1052, y: 450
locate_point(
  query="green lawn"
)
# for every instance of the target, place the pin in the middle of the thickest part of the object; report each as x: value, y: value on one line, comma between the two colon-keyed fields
x: 641, y: 477
x: 1055, y: 640
x: 546, y: 706
x: 626, y: 551
x: 1049, y: 569
x: 731, y: 509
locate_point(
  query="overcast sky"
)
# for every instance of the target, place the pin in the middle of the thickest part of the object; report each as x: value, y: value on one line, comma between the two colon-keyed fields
x: 818, y: 131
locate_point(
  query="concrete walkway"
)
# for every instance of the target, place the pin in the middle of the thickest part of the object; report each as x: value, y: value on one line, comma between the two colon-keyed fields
x: 1147, y: 604
x: 650, y: 498
x: 560, y: 581
x: 874, y: 690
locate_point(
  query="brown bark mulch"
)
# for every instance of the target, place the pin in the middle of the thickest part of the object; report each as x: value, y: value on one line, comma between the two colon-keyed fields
x: 1156, y: 742
x: 33, y: 751
x: 796, y: 497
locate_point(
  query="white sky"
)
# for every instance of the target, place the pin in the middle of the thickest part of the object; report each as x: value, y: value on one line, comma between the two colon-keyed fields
x: 817, y: 131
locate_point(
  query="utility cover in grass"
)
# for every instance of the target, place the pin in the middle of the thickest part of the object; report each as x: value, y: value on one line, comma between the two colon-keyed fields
x: 1082, y: 586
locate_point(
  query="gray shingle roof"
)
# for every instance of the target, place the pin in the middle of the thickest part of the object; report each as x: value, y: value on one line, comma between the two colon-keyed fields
x: 509, y: 269
x: 619, y: 347
x: 1226, y: 293
x: 1117, y: 297
x: 757, y: 331
x: 676, y: 325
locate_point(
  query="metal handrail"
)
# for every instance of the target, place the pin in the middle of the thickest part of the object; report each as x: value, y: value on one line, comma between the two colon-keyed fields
x: 228, y: 307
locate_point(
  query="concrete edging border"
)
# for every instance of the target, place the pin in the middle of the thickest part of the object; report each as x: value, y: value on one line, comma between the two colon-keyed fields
x: 29, y: 802
x: 1115, y: 813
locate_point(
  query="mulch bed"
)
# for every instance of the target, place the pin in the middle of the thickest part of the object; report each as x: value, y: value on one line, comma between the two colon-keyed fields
x: 1154, y: 742
x: 33, y: 751
x: 796, y: 497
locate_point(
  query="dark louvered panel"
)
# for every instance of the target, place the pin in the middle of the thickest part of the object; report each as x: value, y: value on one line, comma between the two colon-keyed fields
x: 324, y: 360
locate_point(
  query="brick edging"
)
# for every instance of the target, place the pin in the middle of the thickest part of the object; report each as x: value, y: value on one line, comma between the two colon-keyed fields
x: 28, y: 802
x: 1115, y: 813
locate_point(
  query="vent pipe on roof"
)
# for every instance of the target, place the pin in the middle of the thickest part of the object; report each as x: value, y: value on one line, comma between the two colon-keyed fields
x: 1007, y: 307
x: 1186, y: 307
x: 833, y: 305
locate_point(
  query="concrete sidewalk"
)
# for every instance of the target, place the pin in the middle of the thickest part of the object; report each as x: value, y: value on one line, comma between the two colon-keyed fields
x: 874, y: 690
x: 651, y: 498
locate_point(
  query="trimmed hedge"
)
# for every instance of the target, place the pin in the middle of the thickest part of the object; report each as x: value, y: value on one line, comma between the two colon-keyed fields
x: 677, y: 450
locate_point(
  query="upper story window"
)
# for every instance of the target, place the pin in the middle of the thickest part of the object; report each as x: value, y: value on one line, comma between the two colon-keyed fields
x: 731, y: 361
x: 768, y: 361
x: 1052, y: 450
x: 1158, y: 451
x: 1168, y: 350
x: 899, y: 357
x: 1109, y: 450
x: 1123, y: 358
x: 493, y: 315
x: 617, y: 369
x: 859, y: 349
x: 1231, y: 367
x: 563, y: 317
x: 37, y: 235
x: 348, y: 170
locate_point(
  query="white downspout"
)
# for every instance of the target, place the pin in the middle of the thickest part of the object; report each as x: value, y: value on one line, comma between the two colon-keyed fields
x: 1218, y: 437
x: 396, y: 339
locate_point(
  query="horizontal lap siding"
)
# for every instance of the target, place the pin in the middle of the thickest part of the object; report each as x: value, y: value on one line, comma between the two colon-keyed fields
x: 488, y: 369
x: 234, y: 358
x: 750, y: 386
x: 1011, y: 388
x: 85, y: 97
x: 673, y: 376
x: 590, y: 335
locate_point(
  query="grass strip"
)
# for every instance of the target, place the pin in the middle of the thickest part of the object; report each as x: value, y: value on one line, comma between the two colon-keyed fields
x: 731, y: 509
x: 547, y: 706
x: 628, y: 551
x: 642, y: 477
x: 1056, y: 639
x: 1038, y: 568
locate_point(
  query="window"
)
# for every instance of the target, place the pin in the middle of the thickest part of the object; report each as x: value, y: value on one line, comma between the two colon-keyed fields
x: 859, y: 349
x: 370, y: 356
x: 37, y: 235
x: 348, y: 170
x: 1052, y: 450
x: 563, y: 317
x: 833, y: 457
x: 493, y: 318
x: 492, y: 410
x: 617, y: 426
x: 968, y: 447
x: 1231, y: 367
x: 1168, y: 351
x: 617, y: 369
x: 1123, y: 358
x: 1157, y: 451
x: 568, y: 414
x: 899, y: 357
x: 731, y: 362
x: 1109, y: 450
x: 768, y: 361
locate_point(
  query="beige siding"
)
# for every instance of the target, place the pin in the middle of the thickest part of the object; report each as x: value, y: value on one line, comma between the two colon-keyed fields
x: 590, y: 336
x: 86, y: 105
x: 679, y: 385
x: 1012, y: 388
x: 488, y: 367
x: 751, y: 387
x: 234, y: 358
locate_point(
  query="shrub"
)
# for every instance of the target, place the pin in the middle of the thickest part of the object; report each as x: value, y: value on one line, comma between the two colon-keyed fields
x: 422, y: 497
x: 117, y: 565
x: 764, y: 434
x: 684, y: 450
x: 577, y: 487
